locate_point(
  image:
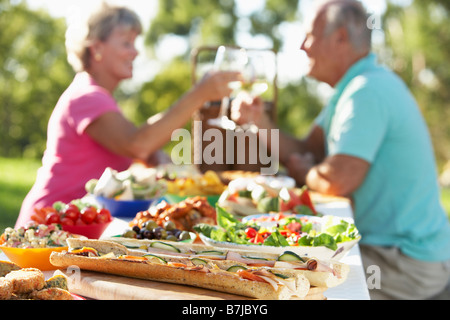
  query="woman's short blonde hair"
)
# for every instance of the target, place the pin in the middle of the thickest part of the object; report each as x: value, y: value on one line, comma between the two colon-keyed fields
x: 97, y: 26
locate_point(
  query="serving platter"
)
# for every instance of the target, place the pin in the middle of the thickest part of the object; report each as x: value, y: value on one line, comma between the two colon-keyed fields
x: 102, y: 286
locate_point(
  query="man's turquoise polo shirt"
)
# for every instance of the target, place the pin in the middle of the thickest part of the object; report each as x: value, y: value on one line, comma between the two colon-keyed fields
x: 373, y: 116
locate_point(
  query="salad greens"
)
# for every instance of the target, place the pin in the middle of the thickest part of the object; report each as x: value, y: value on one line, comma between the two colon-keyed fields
x: 280, y: 230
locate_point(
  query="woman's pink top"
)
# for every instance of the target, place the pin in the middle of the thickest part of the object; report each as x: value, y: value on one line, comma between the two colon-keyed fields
x: 72, y: 157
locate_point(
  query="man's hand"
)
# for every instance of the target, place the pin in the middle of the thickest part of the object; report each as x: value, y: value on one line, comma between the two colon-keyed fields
x: 338, y: 175
x: 246, y: 109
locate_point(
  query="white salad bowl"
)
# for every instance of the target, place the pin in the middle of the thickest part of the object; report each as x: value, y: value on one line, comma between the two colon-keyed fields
x: 319, y: 252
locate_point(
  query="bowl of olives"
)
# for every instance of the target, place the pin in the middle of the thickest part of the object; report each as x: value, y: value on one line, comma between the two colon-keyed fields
x: 151, y: 230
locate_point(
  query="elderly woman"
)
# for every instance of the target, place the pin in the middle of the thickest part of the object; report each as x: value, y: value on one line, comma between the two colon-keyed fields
x: 87, y: 131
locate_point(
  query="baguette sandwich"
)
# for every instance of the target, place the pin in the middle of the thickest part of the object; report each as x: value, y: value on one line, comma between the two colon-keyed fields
x: 325, y: 274
x: 199, y: 271
x: 247, y: 273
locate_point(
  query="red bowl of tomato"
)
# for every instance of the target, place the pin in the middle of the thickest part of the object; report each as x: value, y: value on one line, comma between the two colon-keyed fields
x: 90, y: 221
x: 82, y: 219
x: 90, y: 231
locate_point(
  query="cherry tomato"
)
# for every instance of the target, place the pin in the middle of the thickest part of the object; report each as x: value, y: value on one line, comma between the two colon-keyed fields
x: 52, y: 217
x: 40, y: 215
x: 258, y: 239
x: 66, y: 221
x: 3, y: 238
x: 294, y: 227
x: 38, y: 218
x: 71, y: 211
x: 103, y: 216
x: 80, y: 222
x: 250, y: 232
x: 306, y: 200
x: 88, y: 214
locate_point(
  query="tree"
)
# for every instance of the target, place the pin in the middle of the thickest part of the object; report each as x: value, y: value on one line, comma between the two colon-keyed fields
x: 33, y: 75
x: 34, y: 71
x: 416, y: 48
x: 212, y: 23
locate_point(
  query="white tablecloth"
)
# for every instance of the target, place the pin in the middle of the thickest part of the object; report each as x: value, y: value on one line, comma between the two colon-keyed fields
x: 355, y: 287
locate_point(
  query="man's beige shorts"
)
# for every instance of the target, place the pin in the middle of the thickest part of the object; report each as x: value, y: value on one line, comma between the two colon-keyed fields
x: 401, y: 277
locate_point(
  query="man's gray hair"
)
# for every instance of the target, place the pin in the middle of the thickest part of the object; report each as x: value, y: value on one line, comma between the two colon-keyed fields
x: 351, y: 15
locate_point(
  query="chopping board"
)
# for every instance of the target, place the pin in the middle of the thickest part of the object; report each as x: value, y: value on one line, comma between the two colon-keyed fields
x: 104, y: 286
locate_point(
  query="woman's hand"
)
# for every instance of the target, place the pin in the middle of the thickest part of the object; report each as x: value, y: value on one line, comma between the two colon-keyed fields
x: 214, y: 84
x: 157, y: 158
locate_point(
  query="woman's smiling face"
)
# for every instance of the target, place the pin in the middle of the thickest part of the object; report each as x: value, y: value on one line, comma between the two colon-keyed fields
x: 118, y: 53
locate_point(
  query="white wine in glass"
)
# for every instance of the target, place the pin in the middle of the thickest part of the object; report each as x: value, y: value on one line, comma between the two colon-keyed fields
x: 228, y: 59
x: 258, y: 74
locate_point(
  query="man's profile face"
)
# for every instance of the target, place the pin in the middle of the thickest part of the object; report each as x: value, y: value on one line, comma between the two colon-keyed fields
x: 319, y: 49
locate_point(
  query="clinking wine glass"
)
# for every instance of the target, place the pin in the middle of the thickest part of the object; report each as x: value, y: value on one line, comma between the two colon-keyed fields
x: 228, y: 59
x: 258, y: 73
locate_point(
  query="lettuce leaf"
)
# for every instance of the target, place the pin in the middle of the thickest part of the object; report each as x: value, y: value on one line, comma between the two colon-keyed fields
x: 343, y: 231
x: 218, y: 234
x: 276, y: 240
x: 325, y: 240
x: 225, y: 219
x: 322, y: 239
x: 204, y: 229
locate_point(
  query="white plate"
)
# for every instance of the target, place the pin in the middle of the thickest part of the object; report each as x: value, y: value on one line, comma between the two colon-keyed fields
x: 322, y: 252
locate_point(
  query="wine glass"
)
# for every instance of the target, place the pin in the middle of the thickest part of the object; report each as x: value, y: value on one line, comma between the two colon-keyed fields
x: 229, y: 59
x: 258, y: 73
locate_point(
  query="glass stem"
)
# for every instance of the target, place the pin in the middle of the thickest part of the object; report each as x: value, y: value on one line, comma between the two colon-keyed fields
x: 224, y: 107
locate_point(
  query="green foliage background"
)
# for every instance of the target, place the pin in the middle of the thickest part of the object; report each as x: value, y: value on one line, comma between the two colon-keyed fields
x: 34, y: 71
x: 32, y: 76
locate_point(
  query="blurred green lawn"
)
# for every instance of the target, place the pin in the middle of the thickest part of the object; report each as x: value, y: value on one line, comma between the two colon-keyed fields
x: 17, y: 176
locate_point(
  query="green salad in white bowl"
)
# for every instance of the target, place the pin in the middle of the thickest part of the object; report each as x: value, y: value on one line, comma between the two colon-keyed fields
x: 327, y: 237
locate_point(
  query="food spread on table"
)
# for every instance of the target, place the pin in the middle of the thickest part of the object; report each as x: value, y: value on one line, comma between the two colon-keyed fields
x: 136, y: 183
x: 249, y: 196
x: 199, y: 184
x: 254, y: 211
x: 151, y: 230
x: 185, y: 214
x: 35, y: 236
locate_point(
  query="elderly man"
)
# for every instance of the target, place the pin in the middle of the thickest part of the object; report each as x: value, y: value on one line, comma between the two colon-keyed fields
x: 371, y: 144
